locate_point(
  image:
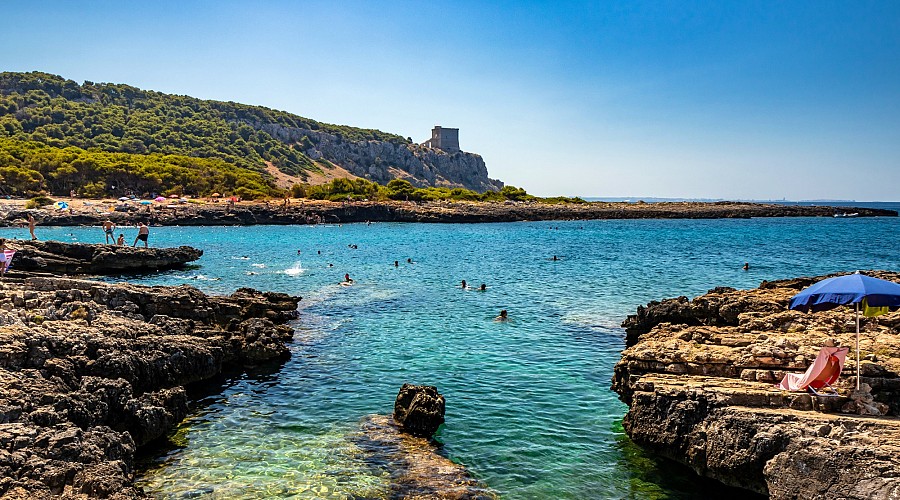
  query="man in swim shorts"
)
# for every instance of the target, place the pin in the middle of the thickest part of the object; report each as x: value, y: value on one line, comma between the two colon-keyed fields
x: 108, y: 228
x: 143, y: 234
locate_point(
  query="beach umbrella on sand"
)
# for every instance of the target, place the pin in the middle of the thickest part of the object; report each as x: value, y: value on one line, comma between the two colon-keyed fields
x: 159, y: 199
x: 215, y: 195
x: 173, y: 196
x: 124, y: 198
x: 145, y: 202
x: 61, y: 205
x: 875, y: 295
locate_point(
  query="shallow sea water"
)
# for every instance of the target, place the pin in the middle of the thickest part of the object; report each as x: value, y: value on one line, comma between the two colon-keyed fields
x: 529, y: 409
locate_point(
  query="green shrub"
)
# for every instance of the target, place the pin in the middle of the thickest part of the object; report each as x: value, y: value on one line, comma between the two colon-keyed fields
x: 38, y: 202
x: 298, y: 191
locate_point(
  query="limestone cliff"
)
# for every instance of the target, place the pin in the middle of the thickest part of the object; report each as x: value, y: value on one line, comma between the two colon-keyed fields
x: 46, y: 108
x: 382, y: 161
x: 698, y: 377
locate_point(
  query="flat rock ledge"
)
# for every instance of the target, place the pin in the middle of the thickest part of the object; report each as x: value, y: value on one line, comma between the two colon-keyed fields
x: 85, y: 258
x: 417, y: 468
x: 698, y: 377
x: 90, y: 371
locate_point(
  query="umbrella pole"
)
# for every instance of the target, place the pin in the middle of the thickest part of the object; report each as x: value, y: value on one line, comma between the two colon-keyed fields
x: 857, y: 346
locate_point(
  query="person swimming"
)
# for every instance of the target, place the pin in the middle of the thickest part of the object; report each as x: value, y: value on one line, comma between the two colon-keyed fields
x: 555, y: 258
x: 347, y: 278
x: 746, y: 266
x: 503, y: 316
x: 409, y: 261
x: 464, y: 285
x: 482, y: 288
x: 396, y: 263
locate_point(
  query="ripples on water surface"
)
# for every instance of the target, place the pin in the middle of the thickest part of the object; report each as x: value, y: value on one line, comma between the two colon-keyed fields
x: 529, y: 409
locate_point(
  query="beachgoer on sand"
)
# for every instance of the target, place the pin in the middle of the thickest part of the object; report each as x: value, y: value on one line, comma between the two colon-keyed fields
x: 31, y: 224
x: 143, y: 235
x: 108, y: 228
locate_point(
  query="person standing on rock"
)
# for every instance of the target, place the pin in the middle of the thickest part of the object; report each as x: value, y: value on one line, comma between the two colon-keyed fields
x: 31, y: 224
x: 143, y: 234
x: 3, y: 261
x: 121, y: 241
x: 108, y: 228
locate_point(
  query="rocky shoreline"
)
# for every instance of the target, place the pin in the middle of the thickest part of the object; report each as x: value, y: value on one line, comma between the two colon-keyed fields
x: 698, y: 377
x: 312, y: 212
x: 96, y: 259
x: 90, y: 371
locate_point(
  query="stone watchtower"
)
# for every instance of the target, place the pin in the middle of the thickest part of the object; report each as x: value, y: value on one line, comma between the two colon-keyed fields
x: 446, y: 139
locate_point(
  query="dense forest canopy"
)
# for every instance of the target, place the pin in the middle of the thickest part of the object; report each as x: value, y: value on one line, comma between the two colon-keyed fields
x: 119, y: 118
x: 29, y: 168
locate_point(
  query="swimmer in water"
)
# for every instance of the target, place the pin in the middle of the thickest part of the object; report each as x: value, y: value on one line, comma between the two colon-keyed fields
x: 396, y: 263
x: 482, y: 288
x: 555, y: 258
x: 502, y: 316
x: 746, y: 266
x: 464, y: 285
x: 347, y: 278
x: 409, y: 261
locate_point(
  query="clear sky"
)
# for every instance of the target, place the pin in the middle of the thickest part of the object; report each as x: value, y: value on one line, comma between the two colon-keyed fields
x: 724, y: 99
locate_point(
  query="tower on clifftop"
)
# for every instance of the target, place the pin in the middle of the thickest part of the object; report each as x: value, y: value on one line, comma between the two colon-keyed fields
x: 446, y: 139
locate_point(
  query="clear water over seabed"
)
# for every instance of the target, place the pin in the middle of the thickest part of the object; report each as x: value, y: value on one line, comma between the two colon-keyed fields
x: 529, y: 409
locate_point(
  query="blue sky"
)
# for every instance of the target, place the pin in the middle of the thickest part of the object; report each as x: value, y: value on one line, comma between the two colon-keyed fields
x: 725, y: 99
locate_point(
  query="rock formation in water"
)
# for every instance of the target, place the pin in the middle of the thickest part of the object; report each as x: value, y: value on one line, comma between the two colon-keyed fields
x: 419, y: 409
x: 698, y: 377
x: 83, y: 258
x: 90, y: 371
x: 415, y: 464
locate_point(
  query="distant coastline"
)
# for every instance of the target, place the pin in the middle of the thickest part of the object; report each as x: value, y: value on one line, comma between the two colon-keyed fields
x: 302, y: 211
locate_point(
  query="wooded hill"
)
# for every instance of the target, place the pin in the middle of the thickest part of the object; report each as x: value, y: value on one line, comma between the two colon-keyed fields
x: 118, y: 118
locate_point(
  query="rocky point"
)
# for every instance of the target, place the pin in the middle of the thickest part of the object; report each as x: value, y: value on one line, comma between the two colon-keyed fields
x: 699, y: 379
x: 84, y: 258
x: 90, y: 371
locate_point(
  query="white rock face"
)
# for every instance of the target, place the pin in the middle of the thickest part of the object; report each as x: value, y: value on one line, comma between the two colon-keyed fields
x: 373, y: 160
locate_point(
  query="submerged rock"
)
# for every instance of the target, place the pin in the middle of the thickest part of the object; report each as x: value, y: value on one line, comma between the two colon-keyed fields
x: 90, y: 371
x: 415, y: 465
x: 84, y: 258
x: 699, y: 379
x: 419, y: 409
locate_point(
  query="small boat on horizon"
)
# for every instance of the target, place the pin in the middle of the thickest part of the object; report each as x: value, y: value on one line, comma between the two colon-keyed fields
x: 844, y: 214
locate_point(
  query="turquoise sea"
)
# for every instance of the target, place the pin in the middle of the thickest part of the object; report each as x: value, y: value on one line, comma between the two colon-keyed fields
x: 529, y: 409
